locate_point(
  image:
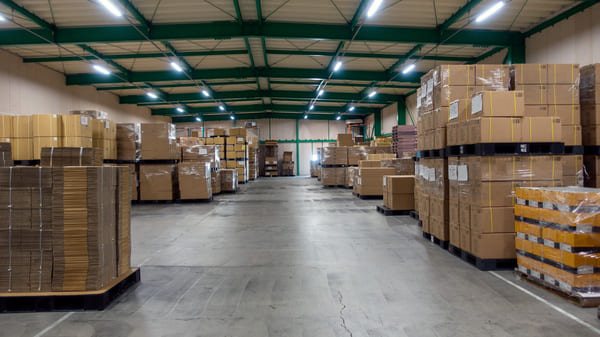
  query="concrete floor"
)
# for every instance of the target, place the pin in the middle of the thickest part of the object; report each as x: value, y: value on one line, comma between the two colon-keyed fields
x: 286, y: 257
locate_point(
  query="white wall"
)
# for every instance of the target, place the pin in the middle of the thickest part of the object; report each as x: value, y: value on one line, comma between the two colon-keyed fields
x: 33, y: 89
x: 575, y: 40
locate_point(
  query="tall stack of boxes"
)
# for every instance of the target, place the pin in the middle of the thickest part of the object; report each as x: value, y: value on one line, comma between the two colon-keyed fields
x: 370, y: 178
x: 590, y: 120
x: 237, y: 138
x: 47, y: 130
x: 404, y: 139
x: 399, y: 192
x: 195, y: 170
x: 334, y: 160
x: 356, y: 153
x: 287, y: 164
x: 157, y: 169
x: 128, y: 152
x: 104, y: 137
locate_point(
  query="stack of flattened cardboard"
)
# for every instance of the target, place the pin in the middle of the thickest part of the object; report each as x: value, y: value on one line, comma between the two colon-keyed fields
x: 71, y: 156
x: 47, y: 132
x: 5, y: 155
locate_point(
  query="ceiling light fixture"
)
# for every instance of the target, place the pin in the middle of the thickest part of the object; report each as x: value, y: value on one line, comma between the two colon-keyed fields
x: 490, y: 11
x: 321, y: 92
x: 374, y: 7
x: 338, y: 66
x: 372, y: 94
x: 2, y: 18
x: 180, y: 109
x: 205, y: 93
x: 222, y: 107
x: 305, y: 116
x: 232, y: 117
x: 312, y: 106
x: 338, y: 118
x: 176, y: 66
x: 111, y: 7
x: 409, y: 68
x: 198, y: 119
x: 151, y: 95
x: 101, y: 69
x: 351, y: 108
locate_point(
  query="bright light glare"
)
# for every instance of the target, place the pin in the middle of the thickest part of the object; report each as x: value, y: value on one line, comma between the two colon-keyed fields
x: 2, y: 18
x: 490, y: 11
x: 321, y: 92
x: 351, y: 108
x: 338, y: 118
x: 151, y: 95
x: 305, y: 116
x: 180, y: 109
x: 409, y: 68
x: 315, y: 157
x: 221, y: 107
x: 111, y: 7
x: 372, y: 94
x: 101, y: 69
x: 232, y: 117
x: 374, y: 7
x: 205, y: 93
x: 199, y: 119
x: 176, y: 66
x: 311, y: 107
x: 338, y: 66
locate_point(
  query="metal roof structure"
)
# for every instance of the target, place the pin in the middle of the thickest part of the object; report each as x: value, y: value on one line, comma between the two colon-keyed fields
x: 266, y: 58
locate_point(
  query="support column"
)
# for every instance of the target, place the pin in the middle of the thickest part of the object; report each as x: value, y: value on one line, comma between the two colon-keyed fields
x: 401, y: 110
x: 297, y: 149
x: 377, y: 124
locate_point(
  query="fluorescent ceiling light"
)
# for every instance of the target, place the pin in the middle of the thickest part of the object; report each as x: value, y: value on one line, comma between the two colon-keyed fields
x: 180, y: 109
x: 222, y: 107
x: 338, y: 118
x: 409, y: 68
x: 490, y: 11
x: 2, y: 18
x: 111, y: 7
x: 232, y: 117
x: 176, y: 66
x: 315, y: 157
x: 305, y: 116
x: 312, y: 106
x: 199, y: 119
x: 205, y: 93
x: 101, y: 69
x: 372, y: 94
x: 351, y: 108
x: 151, y: 95
x: 374, y: 7
x: 321, y: 92
x: 338, y: 66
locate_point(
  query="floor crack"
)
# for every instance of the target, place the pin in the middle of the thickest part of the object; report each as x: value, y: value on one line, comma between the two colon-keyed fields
x: 343, y: 324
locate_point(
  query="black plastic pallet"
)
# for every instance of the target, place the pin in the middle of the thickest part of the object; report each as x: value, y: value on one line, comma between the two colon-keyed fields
x: 388, y: 212
x: 193, y: 201
x: 414, y: 215
x: 152, y: 202
x: 428, y: 154
x: 506, y: 149
x: 574, y: 150
x: 334, y: 186
x: 158, y: 161
x: 26, y: 162
x: 488, y: 264
x: 66, y: 302
x: 420, y: 223
x: 592, y: 150
x: 427, y: 236
x: 455, y: 250
x: 368, y: 197
x: 438, y: 242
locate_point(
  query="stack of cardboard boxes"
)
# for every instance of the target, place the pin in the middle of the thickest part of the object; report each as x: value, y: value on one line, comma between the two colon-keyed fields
x: 356, y: 153
x: 237, y: 153
x: 334, y: 160
x: 369, y: 178
x: 157, y: 169
x: 196, y: 169
x: 128, y: 152
x: 399, y: 192
x: 229, y: 180
x: 404, y: 139
x: 590, y: 119
x: 104, y: 137
x: 287, y: 164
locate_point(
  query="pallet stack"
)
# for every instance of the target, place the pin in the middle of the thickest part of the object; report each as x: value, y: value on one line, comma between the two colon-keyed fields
x: 195, y: 170
x: 128, y: 153
x: 236, y: 142
x: 590, y: 119
x: 287, y: 165
x: 556, y: 243
x: 398, y: 194
x: 404, y: 139
x: 158, y: 159
x: 104, y: 136
x: 229, y: 182
x: 268, y: 159
x: 334, y: 160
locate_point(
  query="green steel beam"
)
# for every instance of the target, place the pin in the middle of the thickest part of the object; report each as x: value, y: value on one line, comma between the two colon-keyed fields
x: 404, y: 58
x: 136, y: 14
x: 249, y: 94
x: 401, y: 110
x: 266, y: 115
x: 208, y: 74
x: 133, y: 56
x: 178, y: 85
x: 29, y: 15
x: 274, y: 30
x: 458, y: 15
x: 299, y: 108
x: 560, y: 17
x: 365, y: 55
x: 98, y: 55
x: 184, y: 63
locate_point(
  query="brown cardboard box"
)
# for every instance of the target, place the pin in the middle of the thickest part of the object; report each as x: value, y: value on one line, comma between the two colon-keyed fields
x: 572, y: 135
x: 454, y: 234
x: 424, y: 205
x: 563, y: 94
x: 440, y: 117
x: 444, y: 95
x: 590, y: 115
x: 156, y: 182
x: 403, y: 166
x: 492, y: 219
x: 231, y: 140
x: 238, y: 132
x: 541, y: 130
x: 452, y: 134
x: 439, y: 140
x: 493, y: 246
x: 492, y: 193
x: 494, y: 76
x: 530, y: 73
x: 494, y: 130
x: 76, y: 126
x: 455, y: 75
x: 509, y: 168
x: 463, y: 133
x: 536, y: 110
x: 369, y: 163
x: 46, y: 125
x: 76, y: 142
x: 399, y: 201
x: 345, y: 139
x: 465, y: 238
x: 240, y: 140
x: 333, y: 176
x: 41, y: 142
x: 370, y: 180
x: 441, y: 229
x: 157, y: 141
x: 358, y: 153
x: 572, y: 165
x: 454, y: 211
x: 219, y: 140
x: 334, y: 155
x: 22, y: 148
x: 428, y: 120
x: 534, y: 94
x: 6, y: 126
x: 398, y: 184
x: 219, y: 132
x: 460, y: 110
x: 591, y: 135
x: 563, y: 73
x: 194, y: 180
x: 128, y: 141
x: 498, y: 104
x: 22, y: 126
x: 568, y: 114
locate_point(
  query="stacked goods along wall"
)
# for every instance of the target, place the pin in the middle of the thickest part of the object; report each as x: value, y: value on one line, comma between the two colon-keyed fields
x: 404, y: 140
x: 590, y: 120
x: 479, y: 139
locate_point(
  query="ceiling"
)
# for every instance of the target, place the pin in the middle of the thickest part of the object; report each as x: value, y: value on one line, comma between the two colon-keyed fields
x: 266, y: 57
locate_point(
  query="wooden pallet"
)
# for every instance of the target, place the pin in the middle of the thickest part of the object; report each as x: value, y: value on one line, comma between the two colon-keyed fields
x: 69, y: 301
x: 579, y: 299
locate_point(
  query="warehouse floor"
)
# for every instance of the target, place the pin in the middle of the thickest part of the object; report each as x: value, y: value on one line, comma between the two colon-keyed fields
x: 286, y: 257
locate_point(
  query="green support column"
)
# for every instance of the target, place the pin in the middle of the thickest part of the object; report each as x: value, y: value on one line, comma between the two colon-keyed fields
x: 203, y: 130
x: 401, y: 109
x: 269, y: 128
x: 517, y: 53
x: 297, y: 149
x: 377, y: 124
x: 328, y: 137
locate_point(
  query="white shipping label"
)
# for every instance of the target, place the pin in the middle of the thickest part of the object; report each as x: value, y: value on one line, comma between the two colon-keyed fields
x: 203, y: 151
x: 359, y: 172
x: 384, y: 181
x: 431, y: 174
x: 452, y: 172
x: 463, y: 173
x: 84, y: 120
x: 423, y: 90
x: 54, y: 116
x: 476, y: 104
x: 453, y: 114
x: 417, y: 170
x: 106, y: 124
x: 430, y: 86
x: 418, y: 102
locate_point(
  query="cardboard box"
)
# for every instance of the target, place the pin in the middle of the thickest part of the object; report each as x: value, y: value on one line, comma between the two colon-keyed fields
x: 453, y: 212
x: 399, y: 201
x: 441, y: 117
x: 6, y: 126
x: 541, y: 130
x: 563, y: 94
x: 337, y: 155
x: 156, y: 182
x: 460, y: 110
x: 452, y: 134
x: 454, y: 234
x: 563, y: 73
x: 536, y: 110
x: 333, y: 176
x: 498, y: 104
x: 494, y: 76
x: 369, y: 163
x: 158, y: 141
x: 428, y: 120
x: 572, y: 165
x: 397, y: 184
x: 444, y: 95
x: 76, y: 126
x: 238, y: 132
x: 219, y: 132
x: 463, y: 133
x: 47, y: 126
x: 22, y: 126
x: 358, y: 153
x: 439, y: 138
x: 493, y: 246
x: 534, y: 93
x: 370, y: 180
x: 465, y: 238
x: 494, y: 130
x: 530, y: 73
x: 568, y: 114
x: 287, y: 156
x: 41, y: 142
x: 492, y: 219
x: 514, y: 168
x: 572, y: 135
x: 218, y: 140
x: 128, y: 141
x: 194, y: 180
x: 345, y: 139
x: 76, y: 142
x: 454, y: 75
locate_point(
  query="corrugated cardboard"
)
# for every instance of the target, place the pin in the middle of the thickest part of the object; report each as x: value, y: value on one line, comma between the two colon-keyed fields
x: 452, y: 134
x: 541, y: 129
x: 455, y: 234
x: 494, y: 130
x: 76, y: 126
x: 494, y: 76
x: 568, y: 114
x: 439, y: 140
x: 219, y: 132
x: 590, y: 115
x: 6, y: 126
x: 345, y: 139
x: 572, y: 135
x: 463, y: 133
x: 76, y: 142
x: 157, y: 141
x: 41, y: 142
x: 455, y: 75
x: 454, y: 211
x: 194, y: 180
x: 370, y: 180
x: 536, y: 110
x: 563, y: 73
x: 460, y: 110
x: 156, y: 182
x: 465, y: 238
x: 530, y: 73
x: 572, y: 165
x: 493, y: 246
x: 444, y: 95
x: 534, y: 94
x: 509, y: 168
x: 22, y: 148
x: 22, y: 126
x: 47, y: 125
x: 563, y: 94
x: 492, y: 219
x: 498, y: 104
